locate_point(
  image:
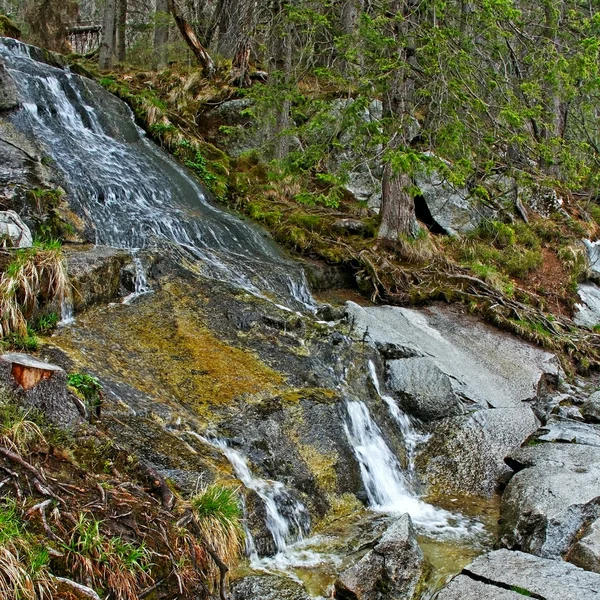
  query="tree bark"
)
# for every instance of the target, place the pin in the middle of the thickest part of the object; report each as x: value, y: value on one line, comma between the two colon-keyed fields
x: 192, y: 40
x: 349, y: 16
x: 122, y: 30
x: 161, y: 34
x: 108, y: 32
x: 244, y: 26
x: 397, y: 204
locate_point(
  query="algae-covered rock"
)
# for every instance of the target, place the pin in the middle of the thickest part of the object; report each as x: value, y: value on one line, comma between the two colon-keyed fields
x: 394, y: 568
x: 555, y: 492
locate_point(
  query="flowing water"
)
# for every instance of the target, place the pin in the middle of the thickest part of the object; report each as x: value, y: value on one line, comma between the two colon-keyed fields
x: 132, y: 195
x: 129, y: 191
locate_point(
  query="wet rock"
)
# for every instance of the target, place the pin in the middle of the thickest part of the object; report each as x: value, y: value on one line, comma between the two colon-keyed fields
x: 96, y: 275
x: 39, y: 385
x: 555, y: 492
x: 487, y: 368
x: 559, y: 429
x: 322, y: 277
x: 587, y: 312
x: 267, y: 587
x: 591, y: 408
x: 505, y: 575
x: 395, y: 567
x: 586, y: 552
x: 425, y: 391
x: 466, y: 454
x: 13, y: 232
x: 9, y: 98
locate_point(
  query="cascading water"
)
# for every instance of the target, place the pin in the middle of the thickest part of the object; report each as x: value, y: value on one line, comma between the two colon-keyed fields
x: 387, y: 488
x: 287, y: 519
x: 130, y: 192
x: 411, y: 437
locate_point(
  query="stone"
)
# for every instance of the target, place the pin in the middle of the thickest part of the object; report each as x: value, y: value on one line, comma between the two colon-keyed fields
x: 395, y: 566
x: 559, y: 429
x: 96, y: 275
x: 267, y: 587
x: 9, y: 98
x: 506, y: 575
x: 488, y: 368
x: 451, y: 208
x: 587, y: 312
x: 39, y: 385
x: 350, y: 227
x: 586, y: 552
x: 591, y: 408
x: 13, y: 232
x: 554, y: 493
x: 593, y: 255
x: 466, y: 454
x: 425, y: 391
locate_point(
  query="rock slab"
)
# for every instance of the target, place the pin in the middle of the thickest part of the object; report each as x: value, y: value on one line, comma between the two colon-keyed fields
x: 506, y: 575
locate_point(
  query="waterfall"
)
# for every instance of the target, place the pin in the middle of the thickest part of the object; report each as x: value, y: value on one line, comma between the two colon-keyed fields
x: 411, y: 437
x: 140, y: 283
x: 387, y: 488
x: 287, y: 519
x: 131, y: 193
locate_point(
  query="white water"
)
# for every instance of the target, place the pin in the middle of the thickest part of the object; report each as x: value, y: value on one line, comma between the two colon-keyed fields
x: 412, y: 438
x: 141, y: 285
x: 130, y: 192
x: 285, y: 529
x: 387, y: 488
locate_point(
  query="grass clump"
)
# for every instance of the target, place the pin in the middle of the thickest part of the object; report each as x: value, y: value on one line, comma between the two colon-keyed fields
x: 34, y: 274
x: 87, y: 387
x: 218, y: 515
x: 109, y: 563
x: 23, y: 563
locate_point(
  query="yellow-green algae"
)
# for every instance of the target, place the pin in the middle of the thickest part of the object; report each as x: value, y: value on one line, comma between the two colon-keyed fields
x: 161, y: 346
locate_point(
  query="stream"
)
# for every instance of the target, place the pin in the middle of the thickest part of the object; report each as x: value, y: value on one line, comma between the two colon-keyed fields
x: 133, y: 196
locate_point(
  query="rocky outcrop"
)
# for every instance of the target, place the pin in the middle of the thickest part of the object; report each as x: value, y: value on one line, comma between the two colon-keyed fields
x: 395, y: 567
x: 553, y: 495
x: 587, y: 311
x: 267, y: 587
x: 39, y: 385
x: 565, y: 430
x: 13, y: 232
x: 466, y: 454
x: 505, y: 575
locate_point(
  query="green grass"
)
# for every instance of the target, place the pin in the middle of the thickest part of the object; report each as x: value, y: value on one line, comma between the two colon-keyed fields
x: 87, y: 387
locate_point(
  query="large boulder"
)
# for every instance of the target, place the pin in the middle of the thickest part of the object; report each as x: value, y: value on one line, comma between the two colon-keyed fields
x: 484, y: 368
x: 466, y: 454
x: 505, y: 575
x: 39, y: 385
x: 553, y: 495
x: 13, y: 232
x: 395, y: 567
x: 565, y: 430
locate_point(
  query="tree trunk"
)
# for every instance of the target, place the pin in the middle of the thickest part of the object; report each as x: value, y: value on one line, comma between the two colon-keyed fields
x: 108, y: 32
x: 192, y: 40
x: 245, y: 26
x: 161, y: 34
x: 122, y: 30
x: 397, y: 204
x: 349, y: 16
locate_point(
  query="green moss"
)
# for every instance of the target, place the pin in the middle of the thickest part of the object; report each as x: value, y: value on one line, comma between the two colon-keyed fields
x: 9, y: 28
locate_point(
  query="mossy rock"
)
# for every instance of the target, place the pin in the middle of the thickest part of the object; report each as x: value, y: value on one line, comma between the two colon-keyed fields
x: 9, y: 28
